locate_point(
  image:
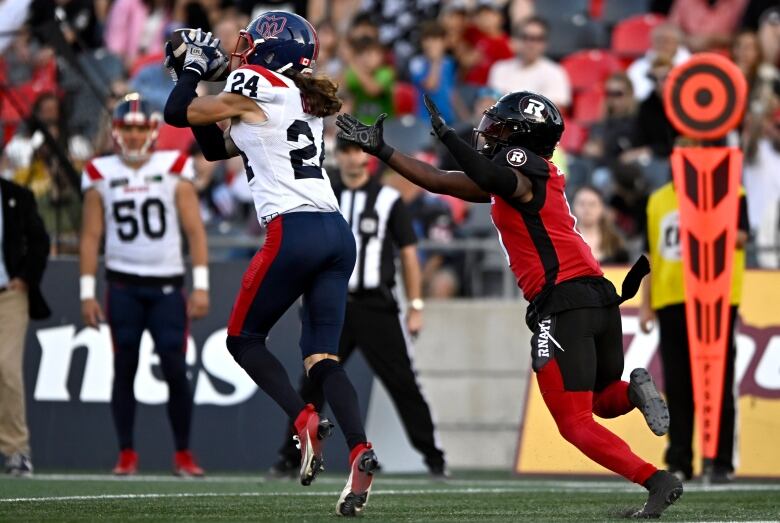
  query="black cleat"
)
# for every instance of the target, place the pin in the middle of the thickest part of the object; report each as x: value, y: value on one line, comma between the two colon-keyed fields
x: 664, y: 489
x: 439, y: 471
x: 682, y: 475
x: 643, y: 394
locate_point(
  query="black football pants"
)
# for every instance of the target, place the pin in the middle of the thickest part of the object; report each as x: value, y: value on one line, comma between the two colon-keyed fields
x: 679, y: 392
x: 378, y: 334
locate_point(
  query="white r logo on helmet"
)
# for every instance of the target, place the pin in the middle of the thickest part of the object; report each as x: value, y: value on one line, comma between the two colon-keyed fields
x: 534, y: 108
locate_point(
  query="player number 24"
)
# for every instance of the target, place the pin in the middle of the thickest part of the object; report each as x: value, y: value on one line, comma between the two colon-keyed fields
x: 302, y: 171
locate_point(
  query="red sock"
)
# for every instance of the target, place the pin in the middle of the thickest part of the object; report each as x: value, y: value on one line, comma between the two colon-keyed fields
x: 612, y: 401
x: 357, y: 450
x: 572, y: 412
x: 303, y: 416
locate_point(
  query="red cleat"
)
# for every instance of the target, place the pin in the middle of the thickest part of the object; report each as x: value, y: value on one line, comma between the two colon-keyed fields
x: 127, y: 464
x: 184, y: 465
x: 311, y: 431
x: 354, y: 497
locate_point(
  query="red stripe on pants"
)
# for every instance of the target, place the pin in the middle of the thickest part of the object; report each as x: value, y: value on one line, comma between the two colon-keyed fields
x: 254, y: 276
x: 572, y: 412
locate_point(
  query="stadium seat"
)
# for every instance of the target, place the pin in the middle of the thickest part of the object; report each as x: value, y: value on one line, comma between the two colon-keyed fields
x: 552, y: 10
x: 16, y: 102
x: 404, y: 98
x: 631, y: 37
x: 174, y: 138
x: 614, y: 11
x: 571, y: 34
x: 408, y: 133
x: 574, y: 137
x: 588, y: 107
x: 589, y: 68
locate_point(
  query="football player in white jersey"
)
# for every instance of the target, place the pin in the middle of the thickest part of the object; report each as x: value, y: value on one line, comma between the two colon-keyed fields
x: 275, y: 107
x: 138, y: 198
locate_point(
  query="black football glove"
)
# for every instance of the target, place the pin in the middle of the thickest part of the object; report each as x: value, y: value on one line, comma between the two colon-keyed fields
x: 440, y: 127
x: 368, y: 137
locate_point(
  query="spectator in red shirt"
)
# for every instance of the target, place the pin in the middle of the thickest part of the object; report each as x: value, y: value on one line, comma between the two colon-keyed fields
x: 488, y: 41
x: 709, y: 25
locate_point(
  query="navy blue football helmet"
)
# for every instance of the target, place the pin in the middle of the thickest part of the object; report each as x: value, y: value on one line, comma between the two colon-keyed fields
x: 279, y: 41
x: 134, y: 111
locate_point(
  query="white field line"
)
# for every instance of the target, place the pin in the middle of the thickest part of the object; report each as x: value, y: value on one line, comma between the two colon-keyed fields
x: 518, y: 489
x: 259, y: 494
x: 520, y: 483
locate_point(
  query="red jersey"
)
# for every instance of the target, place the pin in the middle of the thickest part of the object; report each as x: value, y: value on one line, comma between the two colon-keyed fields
x: 540, y: 241
x: 491, y: 49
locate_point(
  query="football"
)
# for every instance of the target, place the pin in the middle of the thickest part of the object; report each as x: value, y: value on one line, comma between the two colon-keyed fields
x: 180, y: 49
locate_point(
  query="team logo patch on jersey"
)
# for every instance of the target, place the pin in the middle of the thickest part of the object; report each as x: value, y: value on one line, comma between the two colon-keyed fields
x: 369, y: 225
x: 516, y: 157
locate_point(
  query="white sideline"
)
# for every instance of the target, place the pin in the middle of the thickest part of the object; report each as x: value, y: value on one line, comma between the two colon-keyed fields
x: 525, y: 483
x: 258, y: 494
x: 519, y: 488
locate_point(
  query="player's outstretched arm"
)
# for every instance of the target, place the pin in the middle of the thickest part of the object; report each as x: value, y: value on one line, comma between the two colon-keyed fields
x: 89, y: 246
x: 185, y: 109
x: 370, y: 139
x: 490, y: 177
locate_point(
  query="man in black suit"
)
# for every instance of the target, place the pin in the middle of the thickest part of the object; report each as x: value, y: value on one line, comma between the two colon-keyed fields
x: 25, y: 248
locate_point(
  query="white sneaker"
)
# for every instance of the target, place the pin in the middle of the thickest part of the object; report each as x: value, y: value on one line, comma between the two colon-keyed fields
x: 19, y: 465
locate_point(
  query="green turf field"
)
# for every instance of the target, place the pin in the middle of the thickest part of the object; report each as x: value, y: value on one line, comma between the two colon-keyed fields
x: 465, y: 497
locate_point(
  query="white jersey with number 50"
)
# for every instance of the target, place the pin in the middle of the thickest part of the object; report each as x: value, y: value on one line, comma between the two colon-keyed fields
x: 140, y: 215
x: 283, y: 155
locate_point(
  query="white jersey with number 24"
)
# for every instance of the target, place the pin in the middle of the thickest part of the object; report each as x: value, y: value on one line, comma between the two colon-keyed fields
x: 283, y: 155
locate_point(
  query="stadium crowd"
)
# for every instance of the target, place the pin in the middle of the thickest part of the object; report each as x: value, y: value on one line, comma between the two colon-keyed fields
x: 603, y: 61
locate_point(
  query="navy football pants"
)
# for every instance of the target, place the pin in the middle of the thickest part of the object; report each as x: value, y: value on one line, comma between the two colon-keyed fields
x: 131, y: 309
x: 309, y: 254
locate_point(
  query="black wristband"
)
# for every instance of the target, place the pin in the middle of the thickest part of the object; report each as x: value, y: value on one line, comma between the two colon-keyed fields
x: 180, y: 99
x: 385, y: 152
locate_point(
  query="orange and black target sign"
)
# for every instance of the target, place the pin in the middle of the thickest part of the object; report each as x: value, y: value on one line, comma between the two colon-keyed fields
x: 704, y: 97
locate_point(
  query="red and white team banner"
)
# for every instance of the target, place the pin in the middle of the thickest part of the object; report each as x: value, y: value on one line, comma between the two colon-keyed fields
x: 541, y: 450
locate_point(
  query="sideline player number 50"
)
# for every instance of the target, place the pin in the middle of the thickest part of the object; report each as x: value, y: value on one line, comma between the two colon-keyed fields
x: 127, y: 221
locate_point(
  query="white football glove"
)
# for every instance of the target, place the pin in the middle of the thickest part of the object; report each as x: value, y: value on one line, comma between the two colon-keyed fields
x: 203, y: 54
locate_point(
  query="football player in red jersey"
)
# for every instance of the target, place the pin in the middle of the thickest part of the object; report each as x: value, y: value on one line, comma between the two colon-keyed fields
x: 573, y: 310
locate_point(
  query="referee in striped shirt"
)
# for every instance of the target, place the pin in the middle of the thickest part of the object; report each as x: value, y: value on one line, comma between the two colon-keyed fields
x: 382, y: 226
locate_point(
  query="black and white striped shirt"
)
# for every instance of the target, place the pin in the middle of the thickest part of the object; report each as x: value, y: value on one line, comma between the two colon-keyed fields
x: 381, y: 224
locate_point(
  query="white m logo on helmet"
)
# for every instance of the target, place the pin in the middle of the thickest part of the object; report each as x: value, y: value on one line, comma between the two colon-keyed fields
x: 534, y: 107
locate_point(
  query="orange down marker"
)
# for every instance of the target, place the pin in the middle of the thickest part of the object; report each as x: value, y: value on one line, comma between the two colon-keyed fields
x: 704, y: 98
x: 707, y: 186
